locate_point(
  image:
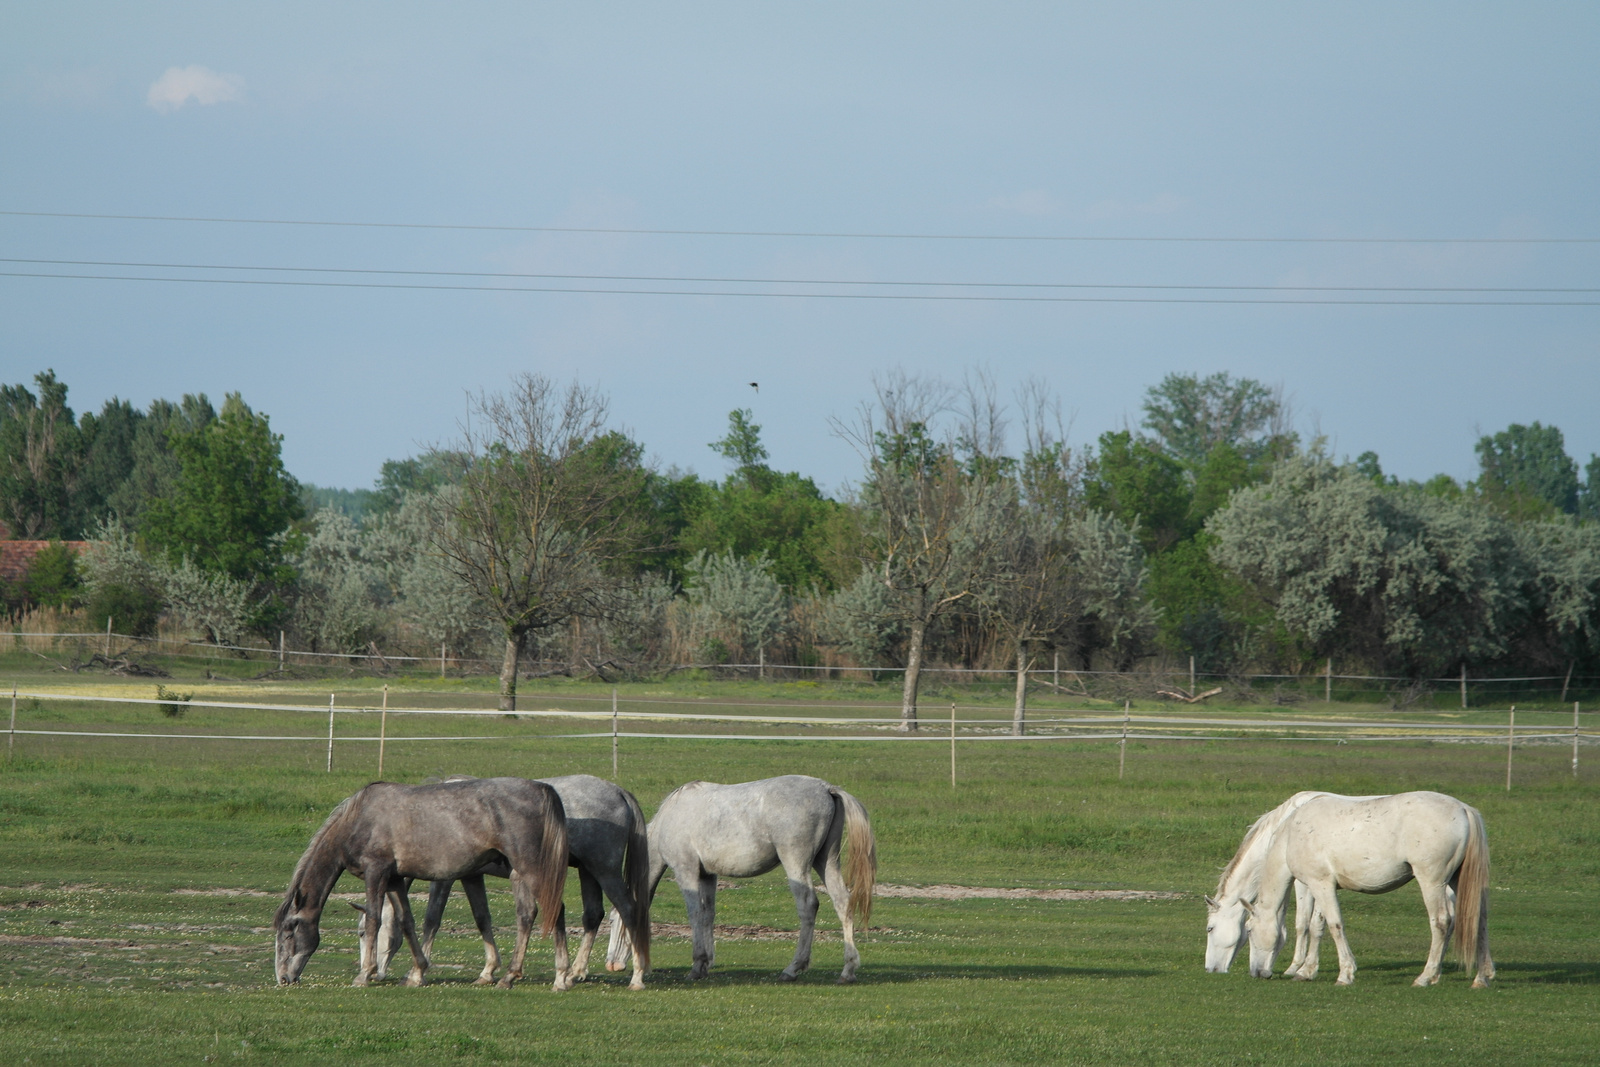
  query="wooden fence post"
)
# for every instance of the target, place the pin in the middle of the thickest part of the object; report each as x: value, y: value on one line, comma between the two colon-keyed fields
x: 383, y: 729
x: 1574, y: 739
x: 330, y: 733
x: 280, y: 651
x: 1463, y: 684
x: 11, y: 742
x: 1192, y: 689
x: 1567, y: 681
x: 1122, y: 746
x: 1511, y: 740
x: 613, y: 733
x: 108, y: 637
x: 952, y: 744
x: 1327, y: 683
x: 1056, y: 679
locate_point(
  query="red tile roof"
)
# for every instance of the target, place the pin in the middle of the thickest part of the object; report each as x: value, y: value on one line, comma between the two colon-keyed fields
x: 15, y: 556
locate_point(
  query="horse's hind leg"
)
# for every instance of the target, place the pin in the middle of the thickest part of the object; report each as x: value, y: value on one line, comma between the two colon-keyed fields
x: 478, y: 898
x: 433, y: 918
x: 527, y: 901
x: 839, y: 895
x: 805, y: 905
x: 594, y: 910
x: 624, y: 912
x: 700, y: 900
x: 1440, y: 920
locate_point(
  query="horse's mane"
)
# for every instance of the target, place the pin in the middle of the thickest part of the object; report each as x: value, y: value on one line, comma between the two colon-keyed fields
x: 1244, y: 846
x: 1267, y: 823
x: 314, y: 852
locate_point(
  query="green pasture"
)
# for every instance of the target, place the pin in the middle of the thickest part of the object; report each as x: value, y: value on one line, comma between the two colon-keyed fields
x: 138, y: 878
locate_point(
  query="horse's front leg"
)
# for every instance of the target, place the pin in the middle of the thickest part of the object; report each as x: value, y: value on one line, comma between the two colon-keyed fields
x: 1437, y: 900
x: 1326, y: 896
x: 478, y: 898
x: 401, y: 901
x: 805, y: 905
x: 1307, y: 934
x: 390, y: 936
x: 700, y: 900
x: 371, y: 923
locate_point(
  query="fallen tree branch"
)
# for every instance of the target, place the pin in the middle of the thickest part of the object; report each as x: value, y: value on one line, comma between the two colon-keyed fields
x: 1188, y: 698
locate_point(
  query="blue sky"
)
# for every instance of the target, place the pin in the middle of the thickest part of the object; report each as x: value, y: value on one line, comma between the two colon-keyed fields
x: 1130, y: 120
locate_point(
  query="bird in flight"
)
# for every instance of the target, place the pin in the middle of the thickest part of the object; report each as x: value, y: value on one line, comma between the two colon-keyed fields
x: 756, y: 386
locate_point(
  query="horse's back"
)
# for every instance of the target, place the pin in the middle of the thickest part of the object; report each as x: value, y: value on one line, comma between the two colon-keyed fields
x: 743, y: 829
x: 1375, y: 844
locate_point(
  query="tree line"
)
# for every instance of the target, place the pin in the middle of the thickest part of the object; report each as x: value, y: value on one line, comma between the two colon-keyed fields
x: 976, y: 535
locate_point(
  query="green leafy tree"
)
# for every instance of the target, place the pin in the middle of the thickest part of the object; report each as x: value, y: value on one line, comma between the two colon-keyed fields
x: 52, y: 579
x: 1398, y: 579
x: 1526, y: 472
x: 1143, y: 487
x: 757, y: 512
x: 1190, y: 415
x: 1589, y: 498
x: 232, y: 502
x: 547, y: 523
x: 40, y: 454
x: 155, y: 466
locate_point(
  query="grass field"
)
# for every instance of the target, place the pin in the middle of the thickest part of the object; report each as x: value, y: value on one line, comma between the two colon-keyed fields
x: 138, y: 880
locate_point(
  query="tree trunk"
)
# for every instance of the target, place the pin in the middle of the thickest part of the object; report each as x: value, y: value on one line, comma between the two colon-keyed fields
x: 908, y: 696
x: 508, y: 672
x: 1021, y: 710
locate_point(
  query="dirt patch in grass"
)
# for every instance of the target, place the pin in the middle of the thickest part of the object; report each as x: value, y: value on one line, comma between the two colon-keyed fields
x: 979, y: 892
x: 223, y: 893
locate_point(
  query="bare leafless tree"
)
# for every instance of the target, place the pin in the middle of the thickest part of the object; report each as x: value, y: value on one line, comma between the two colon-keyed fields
x: 545, y: 518
x: 929, y: 523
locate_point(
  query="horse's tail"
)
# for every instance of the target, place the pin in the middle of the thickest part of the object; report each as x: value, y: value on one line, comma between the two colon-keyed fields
x: 1472, y: 893
x: 861, y: 871
x: 636, y: 873
x: 551, y: 858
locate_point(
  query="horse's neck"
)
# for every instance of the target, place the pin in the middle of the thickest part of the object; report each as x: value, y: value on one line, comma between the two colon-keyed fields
x: 318, y: 875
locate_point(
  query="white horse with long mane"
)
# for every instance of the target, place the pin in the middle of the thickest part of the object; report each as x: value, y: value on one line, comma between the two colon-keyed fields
x: 1374, y: 845
x: 1228, y: 913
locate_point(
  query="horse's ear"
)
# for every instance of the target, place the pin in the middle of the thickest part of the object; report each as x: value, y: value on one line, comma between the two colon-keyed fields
x: 1213, y: 904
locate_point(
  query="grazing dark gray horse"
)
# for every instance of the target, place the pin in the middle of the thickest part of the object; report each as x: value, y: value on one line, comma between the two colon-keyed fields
x: 703, y: 830
x: 387, y: 834
x: 607, y: 843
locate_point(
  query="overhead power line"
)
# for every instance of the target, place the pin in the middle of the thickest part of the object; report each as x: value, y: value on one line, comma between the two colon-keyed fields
x: 723, y: 280
x: 812, y: 295
x: 824, y: 234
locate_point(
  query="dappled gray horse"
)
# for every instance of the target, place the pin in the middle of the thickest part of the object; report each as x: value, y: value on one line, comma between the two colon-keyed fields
x: 388, y: 834
x: 703, y: 830
x: 607, y: 844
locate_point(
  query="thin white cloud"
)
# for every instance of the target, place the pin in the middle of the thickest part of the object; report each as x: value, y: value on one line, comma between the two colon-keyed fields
x: 179, y: 85
x: 1165, y: 204
x: 1031, y: 202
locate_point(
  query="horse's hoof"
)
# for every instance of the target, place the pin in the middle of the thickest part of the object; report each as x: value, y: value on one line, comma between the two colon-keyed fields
x: 845, y: 979
x: 785, y: 976
x: 483, y: 980
x: 1298, y: 977
x: 1344, y: 981
x: 504, y: 983
x: 616, y: 966
x: 1479, y: 983
x: 558, y: 986
x: 636, y: 985
x: 360, y: 982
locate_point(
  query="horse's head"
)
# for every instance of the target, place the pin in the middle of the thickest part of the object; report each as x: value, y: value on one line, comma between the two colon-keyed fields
x: 1267, y: 934
x: 1227, y: 924
x: 298, y: 931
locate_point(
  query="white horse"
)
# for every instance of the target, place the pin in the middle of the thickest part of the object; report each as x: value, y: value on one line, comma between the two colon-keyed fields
x: 1228, y: 913
x: 1373, y: 845
x: 703, y: 830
